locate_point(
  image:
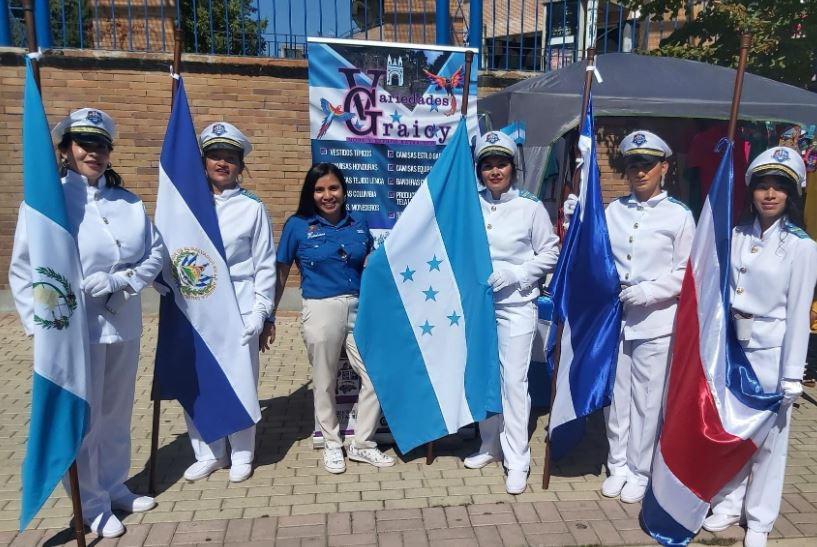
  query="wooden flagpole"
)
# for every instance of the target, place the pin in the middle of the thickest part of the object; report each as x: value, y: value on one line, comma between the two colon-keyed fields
x: 73, y: 477
x: 469, y: 60
x: 154, y: 391
x: 588, y: 84
x: 745, y: 44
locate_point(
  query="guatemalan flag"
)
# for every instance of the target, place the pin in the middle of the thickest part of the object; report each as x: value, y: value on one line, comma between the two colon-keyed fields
x: 425, y: 326
x: 59, y: 407
x: 585, y: 290
x: 715, y: 416
x: 199, y: 360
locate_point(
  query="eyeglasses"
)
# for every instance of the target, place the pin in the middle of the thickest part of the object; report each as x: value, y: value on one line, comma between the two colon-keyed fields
x: 344, y: 256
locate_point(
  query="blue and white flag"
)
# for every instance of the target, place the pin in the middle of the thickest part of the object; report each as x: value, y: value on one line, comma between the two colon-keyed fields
x: 425, y: 326
x: 199, y: 358
x: 59, y: 407
x: 585, y: 289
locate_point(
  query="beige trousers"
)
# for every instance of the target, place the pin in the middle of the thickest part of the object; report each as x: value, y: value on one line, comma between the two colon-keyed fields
x: 326, y: 326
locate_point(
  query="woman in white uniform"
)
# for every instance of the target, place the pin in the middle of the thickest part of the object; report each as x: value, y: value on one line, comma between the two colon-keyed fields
x: 651, y: 237
x: 250, y: 253
x: 523, y: 250
x: 772, y: 278
x: 121, y: 254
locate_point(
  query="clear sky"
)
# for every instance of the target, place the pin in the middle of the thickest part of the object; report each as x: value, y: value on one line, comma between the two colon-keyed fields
x: 306, y: 18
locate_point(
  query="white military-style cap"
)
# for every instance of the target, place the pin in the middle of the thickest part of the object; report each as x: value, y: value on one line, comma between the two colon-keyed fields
x: 88, y: 125
x: 495, y: 143
x: 644, y: 143
x: 223, y: 135
x: 779, y: 161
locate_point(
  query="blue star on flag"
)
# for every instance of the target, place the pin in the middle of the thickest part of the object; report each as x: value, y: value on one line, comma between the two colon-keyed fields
x: 431, y: 294
x: 408, y: 274
x: 395, y: 117
x: 454, y: 318
x: 434, y: 264
x: 426, y: 328
x: 434, y: 107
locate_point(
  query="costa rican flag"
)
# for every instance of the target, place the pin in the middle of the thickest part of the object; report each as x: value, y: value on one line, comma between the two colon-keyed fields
x: 716, y: 413
x: 199, y: 360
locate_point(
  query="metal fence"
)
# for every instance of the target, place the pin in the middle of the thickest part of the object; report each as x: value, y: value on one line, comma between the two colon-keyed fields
x: 526, y: 35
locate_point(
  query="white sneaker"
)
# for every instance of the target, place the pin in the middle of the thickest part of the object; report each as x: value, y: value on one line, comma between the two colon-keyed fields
x: 201, y: 470
x: 516, y: 482
x: 612, y: 485
x: 719, y: 523
x: 478, y: 460
x: 633, y: 492
x: 106, y: 525
x: 369, y: 454
x: 240, y: 472
x: 755, y: 539
x: 333, y: 460
x: 133, y: 503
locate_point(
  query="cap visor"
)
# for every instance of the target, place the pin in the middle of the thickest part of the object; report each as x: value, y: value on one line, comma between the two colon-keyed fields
x: 95, y: 139
x: 642, y: 158
x: 774, y: 173
x: 223, y: 146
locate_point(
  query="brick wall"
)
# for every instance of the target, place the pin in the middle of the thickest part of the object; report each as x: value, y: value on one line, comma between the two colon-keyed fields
x: 266, y: 98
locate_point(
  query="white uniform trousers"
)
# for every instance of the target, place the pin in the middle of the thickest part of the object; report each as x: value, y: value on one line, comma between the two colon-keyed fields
x: 516, y: 327
x: 635, y: 411
x: 242, y: 443
x: 103, y: 460
x: 757, y: 489
x: 326, y: 326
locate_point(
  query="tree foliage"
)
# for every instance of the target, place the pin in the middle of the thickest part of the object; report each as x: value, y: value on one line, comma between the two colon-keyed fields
x: 784, y: 34
x: 211, y: 27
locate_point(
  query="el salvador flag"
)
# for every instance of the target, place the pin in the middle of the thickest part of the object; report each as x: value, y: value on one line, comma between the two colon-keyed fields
x: 585, y: 288
x: 425, y: 326
x: 716, y: 413
x: 199, y: 360
x: 59, y: 407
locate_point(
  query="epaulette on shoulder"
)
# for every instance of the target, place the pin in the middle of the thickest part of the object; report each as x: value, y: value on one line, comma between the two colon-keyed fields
x: 528, y: 195
x: 678, y: 202
x: 623, y: 199
x: 250, y: 195
x: 795, y: 230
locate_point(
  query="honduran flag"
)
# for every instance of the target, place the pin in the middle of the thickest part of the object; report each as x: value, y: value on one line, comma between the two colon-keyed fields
x: 59, y: 407
x: 715, y: 414
x: 425, y: 325
x: 585, y: 288
x: 199, y: 358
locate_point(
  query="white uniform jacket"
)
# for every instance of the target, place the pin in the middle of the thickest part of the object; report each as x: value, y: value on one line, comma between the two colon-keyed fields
x: 772, y: 278
x: 521, y: 238
x: 651, y: 242
x: 113, y: 234
x: 250, y: 249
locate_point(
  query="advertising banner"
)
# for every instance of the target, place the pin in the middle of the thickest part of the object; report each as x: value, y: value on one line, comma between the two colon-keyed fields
x: 383, y: 112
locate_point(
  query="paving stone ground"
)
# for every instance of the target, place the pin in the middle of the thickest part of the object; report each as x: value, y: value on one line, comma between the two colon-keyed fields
x: 291, y: 500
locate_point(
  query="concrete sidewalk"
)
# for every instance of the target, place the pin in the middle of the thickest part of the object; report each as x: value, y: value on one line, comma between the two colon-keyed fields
x: 291, y: 500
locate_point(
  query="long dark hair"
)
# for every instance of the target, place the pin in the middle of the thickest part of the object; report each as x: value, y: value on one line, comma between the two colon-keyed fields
x: 112, y: 178
x: 306, y: 204
x: 793, y: 210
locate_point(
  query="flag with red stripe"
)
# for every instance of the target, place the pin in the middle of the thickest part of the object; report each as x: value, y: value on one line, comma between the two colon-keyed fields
x: 716, y: 413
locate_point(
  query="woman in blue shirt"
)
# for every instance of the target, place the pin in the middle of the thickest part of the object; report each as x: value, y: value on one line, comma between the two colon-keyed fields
x: 330, y: 247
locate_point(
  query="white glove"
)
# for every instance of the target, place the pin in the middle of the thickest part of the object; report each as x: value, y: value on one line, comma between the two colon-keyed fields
x: 634, y: 295
x: 569, y: 206
x: 503, y: 278
x: 161, y: 288
x: 101, y: 283
x: 792, y: 389
x: 252, y: 327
